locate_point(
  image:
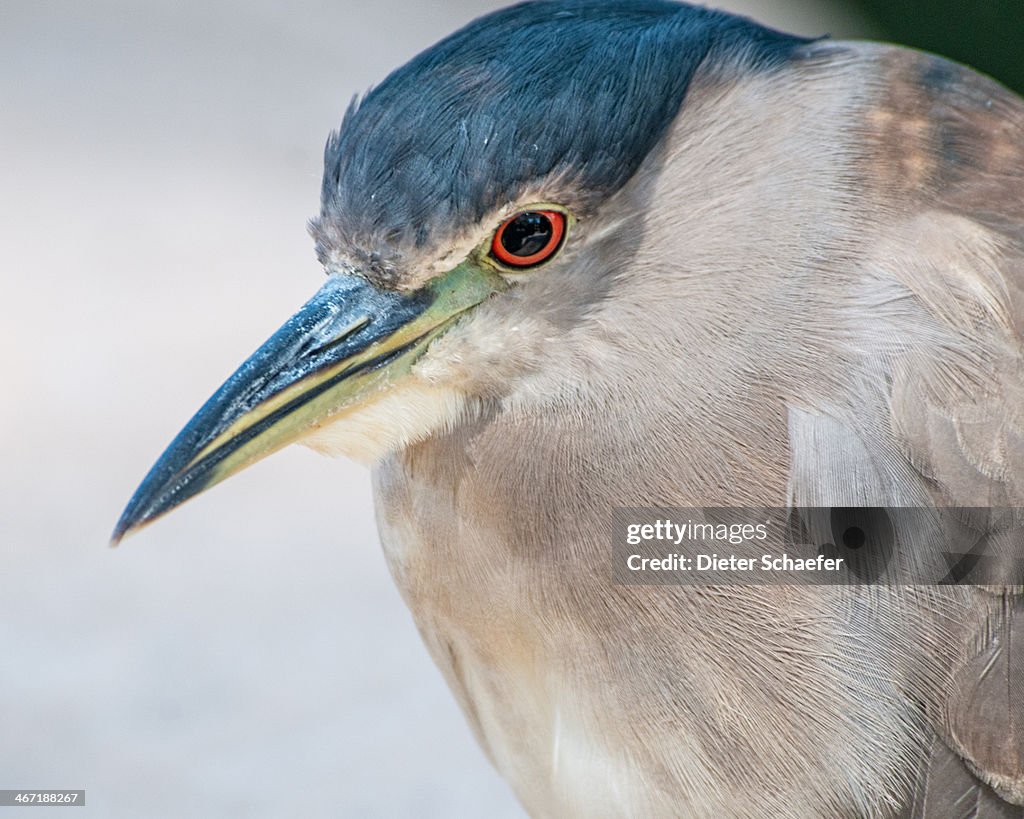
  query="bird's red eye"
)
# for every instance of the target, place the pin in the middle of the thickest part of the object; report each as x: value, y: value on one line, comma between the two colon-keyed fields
x: 528, y: 238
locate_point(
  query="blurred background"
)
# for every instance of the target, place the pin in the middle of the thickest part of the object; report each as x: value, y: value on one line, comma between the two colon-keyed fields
x: 248, y: 656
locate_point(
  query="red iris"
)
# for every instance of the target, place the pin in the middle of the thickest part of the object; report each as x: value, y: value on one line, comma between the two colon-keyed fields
x: 528, y: 238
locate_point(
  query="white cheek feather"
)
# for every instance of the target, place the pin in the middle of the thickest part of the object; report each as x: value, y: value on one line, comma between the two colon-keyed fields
x: 393, y: 418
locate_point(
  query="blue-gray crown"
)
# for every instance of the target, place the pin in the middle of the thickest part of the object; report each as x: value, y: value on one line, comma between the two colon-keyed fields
x: 575, y: 86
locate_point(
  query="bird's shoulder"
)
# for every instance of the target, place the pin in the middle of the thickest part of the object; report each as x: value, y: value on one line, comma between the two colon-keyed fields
x: 944, y: 159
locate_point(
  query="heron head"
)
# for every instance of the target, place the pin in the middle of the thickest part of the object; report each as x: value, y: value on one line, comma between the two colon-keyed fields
x: 472, y: 215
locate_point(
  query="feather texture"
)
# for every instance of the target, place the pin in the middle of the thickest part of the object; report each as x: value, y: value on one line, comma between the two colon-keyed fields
x: 808, y: 294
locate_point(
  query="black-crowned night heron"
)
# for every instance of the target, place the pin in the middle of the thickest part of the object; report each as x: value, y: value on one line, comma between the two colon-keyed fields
x: 585, y: 255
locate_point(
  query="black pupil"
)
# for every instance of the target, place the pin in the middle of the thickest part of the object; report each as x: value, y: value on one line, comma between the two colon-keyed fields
x: 529, y: 233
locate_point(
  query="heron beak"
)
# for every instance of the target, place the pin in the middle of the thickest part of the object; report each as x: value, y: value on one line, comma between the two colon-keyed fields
x: 345, y: 345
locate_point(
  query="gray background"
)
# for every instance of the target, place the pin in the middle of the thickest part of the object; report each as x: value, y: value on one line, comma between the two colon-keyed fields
x: 247, y: 656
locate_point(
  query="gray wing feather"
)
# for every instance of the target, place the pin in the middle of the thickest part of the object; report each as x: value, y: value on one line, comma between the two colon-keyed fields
x: 937, y: 416
x: 948, y: 790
